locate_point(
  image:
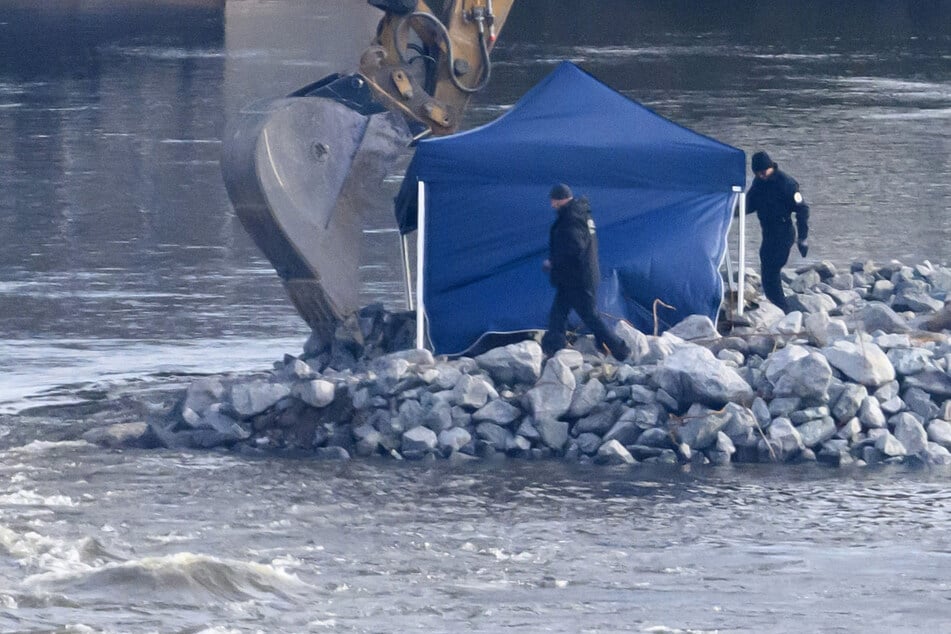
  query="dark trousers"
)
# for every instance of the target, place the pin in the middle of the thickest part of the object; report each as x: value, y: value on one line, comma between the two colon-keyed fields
x: 773, y: 255
x: 583, y: 302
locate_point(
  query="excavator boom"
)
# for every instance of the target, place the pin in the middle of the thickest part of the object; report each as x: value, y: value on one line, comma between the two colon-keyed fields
x: 303, y: 171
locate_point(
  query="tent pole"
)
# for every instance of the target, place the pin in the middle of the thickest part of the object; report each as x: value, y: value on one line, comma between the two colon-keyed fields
x: 420, y: 253
x: 407, y: 285
x: 741, y: 294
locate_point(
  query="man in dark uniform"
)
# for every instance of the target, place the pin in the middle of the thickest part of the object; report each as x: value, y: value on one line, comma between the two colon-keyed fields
x: 775, y: 196
x: 574, y: 271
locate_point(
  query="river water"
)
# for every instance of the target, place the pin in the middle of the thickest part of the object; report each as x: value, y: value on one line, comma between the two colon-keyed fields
x: 123, y: 274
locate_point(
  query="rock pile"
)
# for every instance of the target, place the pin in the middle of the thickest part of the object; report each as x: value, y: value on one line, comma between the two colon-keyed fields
x: 853, y: 375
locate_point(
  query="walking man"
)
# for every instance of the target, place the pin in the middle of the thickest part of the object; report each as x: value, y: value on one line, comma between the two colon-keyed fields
x: 775, y: 197
x: 574, y: 271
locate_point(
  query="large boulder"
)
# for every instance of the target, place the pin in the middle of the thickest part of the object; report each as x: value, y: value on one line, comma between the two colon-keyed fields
x: 861, y: 361
x: 515, y: 363
x: 254, y: 397
x: 691, y: 374
x: 551, y: 397
x: 798, y: 372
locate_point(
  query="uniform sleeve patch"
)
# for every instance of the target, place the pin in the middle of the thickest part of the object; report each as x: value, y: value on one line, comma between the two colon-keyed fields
x: 798, y: 198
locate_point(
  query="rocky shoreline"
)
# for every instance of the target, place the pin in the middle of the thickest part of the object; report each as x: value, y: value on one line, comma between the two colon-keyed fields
x: 858, y: 373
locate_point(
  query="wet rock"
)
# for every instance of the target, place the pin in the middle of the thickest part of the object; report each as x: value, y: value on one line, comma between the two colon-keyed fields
x: 939, y: 431
x: 121, y: 435
x: 599, y: 422
x: 453, y: 439
x: 613, y: 452
x: 418, y: 441
x: 817, y: 431
x: 588, y: 443
x: 937, y: 455
x: 332, y: 453
x: 722, y: 452
x: 700, y: 427
x: 785, y: 439
x: 202, y: 394
x: 497, y: 436
x: 554, y: 433
x: 655, y: 437
x: 623, y: 431
x: 911, y: 434
x: 889, y: 446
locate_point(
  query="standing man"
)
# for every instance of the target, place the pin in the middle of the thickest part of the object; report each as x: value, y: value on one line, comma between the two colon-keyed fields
x: 774, y: 196
x: 574, y: 271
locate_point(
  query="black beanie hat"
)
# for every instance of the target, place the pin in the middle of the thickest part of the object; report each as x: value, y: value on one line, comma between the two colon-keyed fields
x: 560, y: 192
x: 761, y: 162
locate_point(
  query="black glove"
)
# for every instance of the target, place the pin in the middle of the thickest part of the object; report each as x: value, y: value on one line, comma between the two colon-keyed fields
x: 803, y: 247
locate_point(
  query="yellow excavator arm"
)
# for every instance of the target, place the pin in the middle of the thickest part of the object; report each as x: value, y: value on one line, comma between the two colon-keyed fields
x: 303, y: 171
x: 427, y: 65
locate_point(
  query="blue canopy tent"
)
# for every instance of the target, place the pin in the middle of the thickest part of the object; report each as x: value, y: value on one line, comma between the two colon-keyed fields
x: 662, y: 197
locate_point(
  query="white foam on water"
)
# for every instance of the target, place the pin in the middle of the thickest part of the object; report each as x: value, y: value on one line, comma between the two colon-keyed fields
x: 32, y: 498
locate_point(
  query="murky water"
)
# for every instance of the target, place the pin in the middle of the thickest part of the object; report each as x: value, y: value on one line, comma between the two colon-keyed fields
x: 124, y: 272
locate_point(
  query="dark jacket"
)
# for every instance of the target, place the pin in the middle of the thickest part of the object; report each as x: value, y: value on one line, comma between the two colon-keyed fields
x: 573, y: 247
x: 775, y: 200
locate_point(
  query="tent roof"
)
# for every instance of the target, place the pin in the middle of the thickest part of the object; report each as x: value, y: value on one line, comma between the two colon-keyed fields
x: 586, y: 133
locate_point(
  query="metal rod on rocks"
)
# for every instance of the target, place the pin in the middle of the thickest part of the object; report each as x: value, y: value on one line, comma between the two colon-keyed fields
x: 741, y: 282
x: 420, y: 258
x: 407, y: 276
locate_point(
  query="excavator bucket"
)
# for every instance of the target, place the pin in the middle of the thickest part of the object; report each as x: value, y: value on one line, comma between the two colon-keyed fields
x: 302, y: 173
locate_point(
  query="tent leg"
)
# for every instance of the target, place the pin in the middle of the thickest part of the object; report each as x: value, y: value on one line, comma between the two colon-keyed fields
x: 741, y: 294
x: 407, y: 285
x: 420, y: 253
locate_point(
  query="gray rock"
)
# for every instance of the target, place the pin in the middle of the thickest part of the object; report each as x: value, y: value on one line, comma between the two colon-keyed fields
x: 693, y: 375
x: 588, y: 443
x: 202, y: 394
x: 586, y: 398
x: 554, y: 433
x: 939, y: 431
x: 551, y: 396
x: 937, y: 455
x: 498, y: 411
x: 331, y: 453
x: 765, y: 316
x: 369, y: 444
x: 249, y: 399
x: 889, y: 446
x: 655, y: 437
x: 808, y: 414
x: 453, y: 439
x: 933, y: 381
x: 625, y: 432
x: 472, y: 392
x: 438, y: 417
x: 783, y: 407
x: 882, y: 290
x: 809, y: 303
x: 527, y: 429
x: 119, y: 435
x: 722, y: 452
x: 785, y: 439
x: 497, y: 436
x: 870, y: 414
x: 911, y: 434
x: 908, y: 361
x: 877, y: 316
x: 635, y: 339
x: 805, y: 281
x: 917, y: 300
x: 317, y: 393
x: 920, y: 402
x: 798, y: 372
x: 418, y: 441
x: 598, y: 422
x: 515, y: 363
x: 700, y: 427
x: 613, y: 452
x: 761, y: 410
x: 849, y: 402
x: 817, y: 431
x: 850, y: 430
x: 694, y: 328
x: 645, y: 416
x: 790, y: 324
x: 862, y: 362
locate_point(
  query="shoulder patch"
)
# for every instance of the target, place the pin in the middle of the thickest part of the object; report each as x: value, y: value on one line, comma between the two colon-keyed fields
x: 798, y: 198
x: 591, y: 226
